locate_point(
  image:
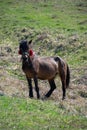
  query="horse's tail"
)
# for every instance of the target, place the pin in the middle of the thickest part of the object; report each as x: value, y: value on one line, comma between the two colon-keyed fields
x: 67, y: 77
x: 67, y: 70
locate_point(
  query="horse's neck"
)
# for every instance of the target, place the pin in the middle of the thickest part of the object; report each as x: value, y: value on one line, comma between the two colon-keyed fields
x: 27, y: 64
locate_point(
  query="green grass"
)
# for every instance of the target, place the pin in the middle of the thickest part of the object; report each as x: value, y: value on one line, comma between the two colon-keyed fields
x: 29, y: 114
x: 65, y: 16
x: 54, y: 17
x: 63, y: 23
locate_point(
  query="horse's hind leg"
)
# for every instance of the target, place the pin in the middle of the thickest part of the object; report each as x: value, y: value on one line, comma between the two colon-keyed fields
x: 63, y: 89
x: 53, y: 86
x: 63, y: 81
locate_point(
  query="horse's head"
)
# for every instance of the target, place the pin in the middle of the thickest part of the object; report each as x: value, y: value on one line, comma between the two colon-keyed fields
x: 24, y: 49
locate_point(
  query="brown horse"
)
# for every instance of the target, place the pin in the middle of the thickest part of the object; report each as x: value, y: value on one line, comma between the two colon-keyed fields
x: 44, y: 68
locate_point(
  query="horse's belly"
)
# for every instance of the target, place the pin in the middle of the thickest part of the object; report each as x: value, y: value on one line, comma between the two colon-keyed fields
x: 47, y: 75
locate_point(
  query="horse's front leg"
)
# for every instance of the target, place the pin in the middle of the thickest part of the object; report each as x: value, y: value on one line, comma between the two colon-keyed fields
x: 36, y: 87
x: 30, y: 87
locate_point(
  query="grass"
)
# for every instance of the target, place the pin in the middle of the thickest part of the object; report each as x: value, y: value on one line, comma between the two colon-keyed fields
x: 60, y: 23
x: 57, y: 27
x: 53, y: 15
x: 58, y: 17
x: 21, y: 114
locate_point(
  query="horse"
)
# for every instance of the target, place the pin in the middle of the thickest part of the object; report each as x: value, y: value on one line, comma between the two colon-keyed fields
x: 43, y: 68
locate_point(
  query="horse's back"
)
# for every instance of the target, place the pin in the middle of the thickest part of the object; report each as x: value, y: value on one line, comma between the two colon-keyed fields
x: 47, y: 67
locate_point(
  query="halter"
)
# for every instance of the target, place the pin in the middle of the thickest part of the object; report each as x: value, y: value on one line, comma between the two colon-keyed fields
x: 30, y: 52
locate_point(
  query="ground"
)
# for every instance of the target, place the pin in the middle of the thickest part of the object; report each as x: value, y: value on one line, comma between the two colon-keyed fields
x: 56, y: 27
x: 13, y: 83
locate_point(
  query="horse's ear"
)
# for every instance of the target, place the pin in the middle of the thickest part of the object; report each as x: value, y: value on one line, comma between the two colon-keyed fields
x: 30, y: 42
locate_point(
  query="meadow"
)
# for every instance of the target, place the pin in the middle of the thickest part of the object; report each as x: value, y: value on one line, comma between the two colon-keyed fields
x: 57, y: 27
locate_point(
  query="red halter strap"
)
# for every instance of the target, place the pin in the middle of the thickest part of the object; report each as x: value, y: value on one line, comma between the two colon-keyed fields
x: 31, y: 53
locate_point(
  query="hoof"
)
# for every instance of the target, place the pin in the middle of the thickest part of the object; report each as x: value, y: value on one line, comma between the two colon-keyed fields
x: 38, y: 96
x: 63, y: 98
x: 31, y: 97
x: 44, y: 98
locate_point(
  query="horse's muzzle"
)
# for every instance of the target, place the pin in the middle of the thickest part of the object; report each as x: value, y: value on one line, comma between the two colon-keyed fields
x: 25, y: 57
